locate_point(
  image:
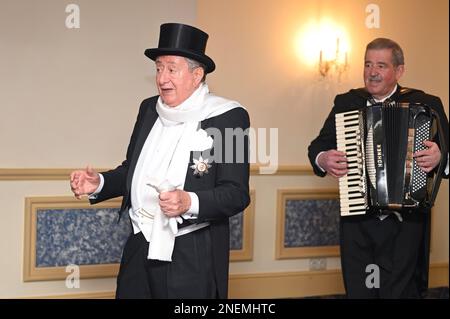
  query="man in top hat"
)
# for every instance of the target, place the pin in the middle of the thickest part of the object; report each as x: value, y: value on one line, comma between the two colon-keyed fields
x: 179, y: 186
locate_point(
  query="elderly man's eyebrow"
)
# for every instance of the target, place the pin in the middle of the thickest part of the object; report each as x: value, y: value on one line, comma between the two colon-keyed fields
x: 161, y: 62
x: 375, y: 62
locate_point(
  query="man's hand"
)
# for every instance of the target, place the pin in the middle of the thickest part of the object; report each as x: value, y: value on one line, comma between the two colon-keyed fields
x: 428, y: 159
x: 333, y: 162
x: 174, y: 203
x: 84, y: 182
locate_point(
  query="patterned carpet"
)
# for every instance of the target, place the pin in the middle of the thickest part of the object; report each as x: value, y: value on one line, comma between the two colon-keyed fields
x: 433, y: 293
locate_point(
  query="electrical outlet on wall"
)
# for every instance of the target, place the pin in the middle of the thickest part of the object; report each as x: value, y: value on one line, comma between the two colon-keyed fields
x: 317, y: 264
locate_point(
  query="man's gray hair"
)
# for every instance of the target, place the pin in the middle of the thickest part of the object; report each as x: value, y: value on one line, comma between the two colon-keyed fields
x: 192, y: 64
x: 384, y: 43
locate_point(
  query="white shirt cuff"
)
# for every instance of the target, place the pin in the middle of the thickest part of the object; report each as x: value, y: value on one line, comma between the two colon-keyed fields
x: 99, y: 188
x: 192, y: 213
x: 317, y: 164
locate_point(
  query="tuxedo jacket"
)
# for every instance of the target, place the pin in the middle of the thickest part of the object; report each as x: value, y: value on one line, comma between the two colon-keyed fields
x: 357, y: 99
x: 222, y: 192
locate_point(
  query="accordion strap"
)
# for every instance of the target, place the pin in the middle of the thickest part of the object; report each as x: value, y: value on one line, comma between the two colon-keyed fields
x: 407, y: 91
x: 401, y: 93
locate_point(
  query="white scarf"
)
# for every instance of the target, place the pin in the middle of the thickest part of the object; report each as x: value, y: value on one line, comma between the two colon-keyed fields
x: 175, y: 134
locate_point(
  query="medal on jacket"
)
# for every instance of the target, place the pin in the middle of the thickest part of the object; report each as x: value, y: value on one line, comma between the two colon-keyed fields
x: 200, y: 166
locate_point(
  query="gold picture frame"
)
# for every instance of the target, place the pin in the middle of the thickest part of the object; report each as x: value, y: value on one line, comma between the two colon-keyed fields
x: 282, y: 252
x: 246, y: 253
x: 33, y: 273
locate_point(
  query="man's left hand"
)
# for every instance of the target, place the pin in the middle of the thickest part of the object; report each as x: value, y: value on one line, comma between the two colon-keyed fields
x: 428, y: 159
x: 174, y: 203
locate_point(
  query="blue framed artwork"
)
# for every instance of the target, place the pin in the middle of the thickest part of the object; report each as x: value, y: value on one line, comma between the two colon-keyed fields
x: 80, y: 236
x: 241, y: 233
x: 307, y: 223
x: 62, y: 231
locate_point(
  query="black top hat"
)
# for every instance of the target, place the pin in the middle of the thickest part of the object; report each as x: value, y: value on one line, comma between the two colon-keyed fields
x: 183, y: 40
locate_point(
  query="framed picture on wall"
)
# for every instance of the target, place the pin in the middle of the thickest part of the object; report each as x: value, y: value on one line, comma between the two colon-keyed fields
x: 241, y: 233
x: 63, y: 235
x: 307, y: 223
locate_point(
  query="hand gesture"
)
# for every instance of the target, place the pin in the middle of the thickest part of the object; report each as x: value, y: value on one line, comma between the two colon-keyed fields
x: 333, y: 162
x: 429, y: 158
x: 84, y: 182
x: 174, y: 203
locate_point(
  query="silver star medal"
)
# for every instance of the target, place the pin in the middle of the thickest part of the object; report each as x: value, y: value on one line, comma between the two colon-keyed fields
x: 200, y: 166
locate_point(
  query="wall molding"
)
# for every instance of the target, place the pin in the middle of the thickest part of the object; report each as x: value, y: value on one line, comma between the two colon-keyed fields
x: 56, y: 174
x: 438, y: 276
x: 296, y: 284
x: 37, y: 174
x: 307, y: 283
x: 284, y: 170
x: 286, y: 284
x: 82, y: 295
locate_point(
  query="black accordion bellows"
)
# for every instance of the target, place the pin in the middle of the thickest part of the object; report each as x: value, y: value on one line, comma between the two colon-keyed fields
x: 382, y: 171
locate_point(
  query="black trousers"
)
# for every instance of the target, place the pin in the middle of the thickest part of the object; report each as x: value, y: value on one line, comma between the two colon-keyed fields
x: 189, y: 275
x: 392, y: 246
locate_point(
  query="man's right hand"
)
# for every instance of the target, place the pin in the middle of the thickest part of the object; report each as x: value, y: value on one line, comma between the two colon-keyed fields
x: 333, y: 162
x: 84, y: 182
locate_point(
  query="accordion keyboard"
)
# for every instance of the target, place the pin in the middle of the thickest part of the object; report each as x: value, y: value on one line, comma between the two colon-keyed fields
x: 352, y: 186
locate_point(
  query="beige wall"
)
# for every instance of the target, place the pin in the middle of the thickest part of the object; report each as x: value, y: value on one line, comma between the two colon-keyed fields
x: 253, y: 44
x: 70, y: 97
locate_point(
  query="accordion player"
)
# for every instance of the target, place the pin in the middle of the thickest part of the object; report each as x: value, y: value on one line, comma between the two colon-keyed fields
x: 379, y: 142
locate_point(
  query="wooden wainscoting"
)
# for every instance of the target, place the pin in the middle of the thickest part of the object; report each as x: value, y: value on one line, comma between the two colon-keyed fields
x: 279, y: 285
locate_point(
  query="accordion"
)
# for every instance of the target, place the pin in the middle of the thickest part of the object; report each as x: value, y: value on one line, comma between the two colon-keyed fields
x: 379, y: 142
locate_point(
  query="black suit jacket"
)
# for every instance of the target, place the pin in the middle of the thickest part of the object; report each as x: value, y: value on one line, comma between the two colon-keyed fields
x: 357, y: 99
x: 222, y: 192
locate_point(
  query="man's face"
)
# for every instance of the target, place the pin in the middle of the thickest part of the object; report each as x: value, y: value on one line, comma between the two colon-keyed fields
x: 174, y: 80
x: 380, y: 75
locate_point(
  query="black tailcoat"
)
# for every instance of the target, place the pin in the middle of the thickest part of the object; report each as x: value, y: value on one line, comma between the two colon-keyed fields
x: 222, y: 192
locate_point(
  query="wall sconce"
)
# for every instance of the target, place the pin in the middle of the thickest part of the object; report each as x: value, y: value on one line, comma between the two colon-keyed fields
x: 323, y: 46
x: 334, y: 65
